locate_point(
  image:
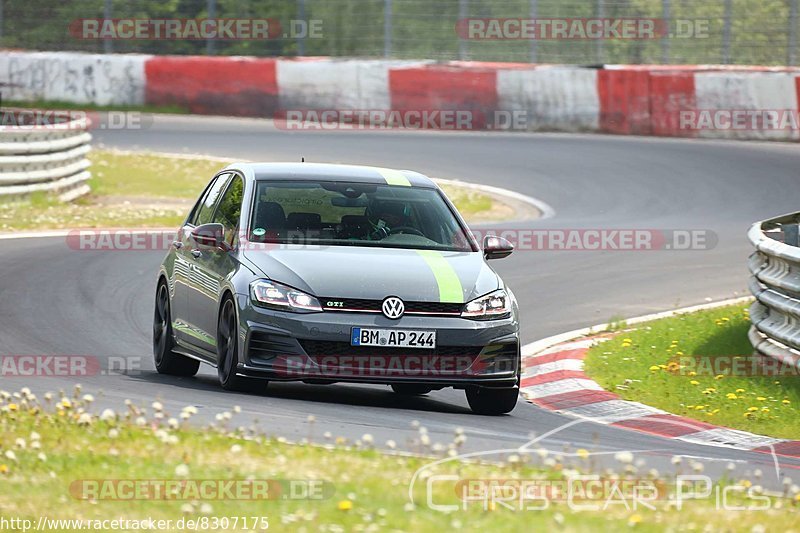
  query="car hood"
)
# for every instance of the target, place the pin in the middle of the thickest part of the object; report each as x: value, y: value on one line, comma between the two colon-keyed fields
x: 375, y: 273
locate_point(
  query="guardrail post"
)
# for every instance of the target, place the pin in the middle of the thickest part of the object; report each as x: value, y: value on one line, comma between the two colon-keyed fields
x: 534, y: 52
x: 791, y: 55
x: 791, y: 234
x: 726, y: 33
x: 387, y: 28
x: 462, y: 43
x: 666, y: 15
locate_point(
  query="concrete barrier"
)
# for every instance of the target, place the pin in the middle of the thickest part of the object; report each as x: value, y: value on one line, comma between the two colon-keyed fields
x: 678, y: 101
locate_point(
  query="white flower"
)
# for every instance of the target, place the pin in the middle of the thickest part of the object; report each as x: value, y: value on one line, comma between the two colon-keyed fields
x: 237, y: 409
x: 88, y: 398
x: 20, y: 443
x: 236, y: 448
x: 113, y: 433
x: 10, y: 455
x: 85, y: 419
x: 182, y: 470
x: 367, y: 439
x: 42, y: 457
x: 206, y: 509
x: 190, y: 409
x: 108, y: 415
x: 187, y: 508
x: 391, y: 444
x: 311, y: 419
x: 141, y: 421
x: 676, y: 459
x: 158, y: 406
x: 624, y: 457
x: 173, y: 423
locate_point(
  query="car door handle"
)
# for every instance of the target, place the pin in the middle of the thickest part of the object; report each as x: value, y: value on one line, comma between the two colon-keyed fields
x: 197, y: 254
x: 177, y: 244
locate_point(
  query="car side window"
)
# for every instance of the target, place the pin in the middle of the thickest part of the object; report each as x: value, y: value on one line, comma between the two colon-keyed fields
x: 230, y: 209
x: 205, y: 211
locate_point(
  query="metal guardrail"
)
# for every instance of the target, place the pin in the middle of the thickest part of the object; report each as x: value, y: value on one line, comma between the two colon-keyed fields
x: 775, y: 283
x: 45, y: 158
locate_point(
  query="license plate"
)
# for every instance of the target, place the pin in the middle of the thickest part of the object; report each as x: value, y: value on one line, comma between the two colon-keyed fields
x: 393, y: 338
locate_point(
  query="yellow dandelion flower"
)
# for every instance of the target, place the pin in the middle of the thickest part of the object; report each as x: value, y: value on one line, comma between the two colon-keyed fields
x: 694, y: 382
x: 345, y: 505
x: 582, y: 453
x: 634, y: 519
x: 752, y: 409
x: 760, y: 398
x: 654, y: 368
x: 4, y: 469
x: 13, y: 407
x: 731, y: 396
x: 739, y: 391
x: 786, y: 402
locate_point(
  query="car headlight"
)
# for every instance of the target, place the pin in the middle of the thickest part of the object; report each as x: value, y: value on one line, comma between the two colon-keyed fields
x: 489, y: 307
x: 276, y: 296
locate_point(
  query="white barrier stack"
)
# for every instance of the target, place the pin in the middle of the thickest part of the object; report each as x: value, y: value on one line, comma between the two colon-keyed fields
x: 49, y: 158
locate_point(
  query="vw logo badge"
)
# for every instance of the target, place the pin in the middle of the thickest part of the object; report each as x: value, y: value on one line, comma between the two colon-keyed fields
x: 393, y: 307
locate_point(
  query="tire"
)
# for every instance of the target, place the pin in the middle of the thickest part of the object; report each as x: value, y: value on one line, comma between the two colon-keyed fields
x: 166, y: 360
x: 228, y: 352
x: 486, y: 401
x: 409, y: 389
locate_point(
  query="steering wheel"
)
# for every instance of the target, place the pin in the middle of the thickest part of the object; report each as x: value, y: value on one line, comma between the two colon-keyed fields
x: 406, y: 229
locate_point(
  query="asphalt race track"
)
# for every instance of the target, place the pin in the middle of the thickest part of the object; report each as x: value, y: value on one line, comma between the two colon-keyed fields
x: 55, y: 300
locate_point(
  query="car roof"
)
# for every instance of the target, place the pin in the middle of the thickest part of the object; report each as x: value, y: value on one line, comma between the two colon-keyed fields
x: 329, y: 172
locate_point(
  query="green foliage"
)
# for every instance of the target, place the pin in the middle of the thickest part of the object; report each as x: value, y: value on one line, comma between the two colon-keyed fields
x: 423, y: 29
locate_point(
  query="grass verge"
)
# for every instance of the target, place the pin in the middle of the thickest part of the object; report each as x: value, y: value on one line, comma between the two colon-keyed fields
x: 701, y: 366
x: 131, y: 190
x: 72, y: 106
x: 60, y: 459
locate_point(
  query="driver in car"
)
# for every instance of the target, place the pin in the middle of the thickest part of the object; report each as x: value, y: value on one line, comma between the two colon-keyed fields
x: 383, y: 216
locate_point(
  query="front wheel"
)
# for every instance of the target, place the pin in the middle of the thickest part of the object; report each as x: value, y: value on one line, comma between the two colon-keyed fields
x: 167, y: 361
x: 228, y: 352
x: 487, y: 401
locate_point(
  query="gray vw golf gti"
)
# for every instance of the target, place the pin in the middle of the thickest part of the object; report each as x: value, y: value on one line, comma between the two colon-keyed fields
x: 333, y: 273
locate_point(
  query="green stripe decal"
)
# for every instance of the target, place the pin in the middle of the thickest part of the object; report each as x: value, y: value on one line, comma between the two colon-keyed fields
x: 394, y: 177
x: 450, y: 290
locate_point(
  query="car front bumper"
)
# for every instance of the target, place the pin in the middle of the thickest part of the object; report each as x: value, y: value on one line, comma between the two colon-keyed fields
x: 315, y: 347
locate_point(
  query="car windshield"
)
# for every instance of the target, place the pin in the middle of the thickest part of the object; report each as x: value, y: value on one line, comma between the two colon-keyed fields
x: 355, y: 214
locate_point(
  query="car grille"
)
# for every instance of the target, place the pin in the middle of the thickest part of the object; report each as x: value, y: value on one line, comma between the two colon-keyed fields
x: 315, y: 348
x: 374, y: 306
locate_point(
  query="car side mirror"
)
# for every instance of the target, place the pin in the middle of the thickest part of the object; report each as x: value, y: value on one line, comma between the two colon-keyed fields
x: 496, y: 247
x: 211, y: 235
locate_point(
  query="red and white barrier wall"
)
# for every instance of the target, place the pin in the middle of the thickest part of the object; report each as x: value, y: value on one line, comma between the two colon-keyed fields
x: 681, y: 101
